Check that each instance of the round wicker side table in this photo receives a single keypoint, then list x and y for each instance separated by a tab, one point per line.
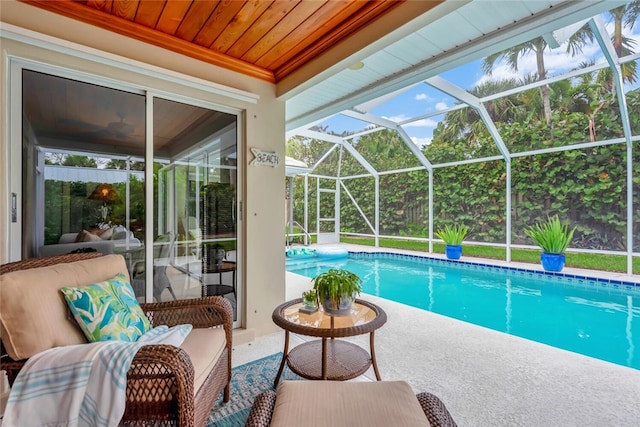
328	358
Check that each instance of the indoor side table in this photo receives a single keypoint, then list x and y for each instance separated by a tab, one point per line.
219	288
329	358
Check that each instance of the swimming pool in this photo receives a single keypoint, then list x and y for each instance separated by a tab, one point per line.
597	318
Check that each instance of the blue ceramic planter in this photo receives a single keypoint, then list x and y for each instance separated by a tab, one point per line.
552	262
453	251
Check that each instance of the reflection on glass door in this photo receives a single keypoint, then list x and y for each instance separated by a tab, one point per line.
196	150
83	167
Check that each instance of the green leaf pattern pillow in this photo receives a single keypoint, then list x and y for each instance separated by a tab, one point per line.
107	310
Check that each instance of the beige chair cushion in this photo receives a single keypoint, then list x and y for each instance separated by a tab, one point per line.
347	404
204	346
34	315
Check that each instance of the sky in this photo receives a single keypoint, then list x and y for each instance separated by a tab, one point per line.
423	99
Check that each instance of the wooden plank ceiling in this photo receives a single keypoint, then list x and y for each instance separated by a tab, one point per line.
260	38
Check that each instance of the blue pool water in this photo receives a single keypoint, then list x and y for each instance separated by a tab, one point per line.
595	318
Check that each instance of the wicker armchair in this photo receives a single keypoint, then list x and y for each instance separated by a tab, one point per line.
26	264
160	381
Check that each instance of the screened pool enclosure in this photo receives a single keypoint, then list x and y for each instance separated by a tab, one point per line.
549	126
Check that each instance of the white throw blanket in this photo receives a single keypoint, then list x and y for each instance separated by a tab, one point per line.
79	385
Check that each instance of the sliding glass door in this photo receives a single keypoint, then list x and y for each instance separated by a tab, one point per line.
101	171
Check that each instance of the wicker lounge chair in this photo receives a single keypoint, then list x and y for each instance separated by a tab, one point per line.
301	401
160	381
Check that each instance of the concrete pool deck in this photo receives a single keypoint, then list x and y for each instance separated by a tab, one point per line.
485	377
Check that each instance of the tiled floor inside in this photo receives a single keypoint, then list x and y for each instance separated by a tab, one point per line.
486	378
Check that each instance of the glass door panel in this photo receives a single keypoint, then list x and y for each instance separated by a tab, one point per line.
196	198
83	168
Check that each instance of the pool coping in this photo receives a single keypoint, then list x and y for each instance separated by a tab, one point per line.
596	276
579	277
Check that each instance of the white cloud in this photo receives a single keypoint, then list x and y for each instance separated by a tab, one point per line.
500	72
398	118
421	142
423	97
441	106
422	123
557	61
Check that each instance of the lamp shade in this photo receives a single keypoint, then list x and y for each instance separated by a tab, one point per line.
105	193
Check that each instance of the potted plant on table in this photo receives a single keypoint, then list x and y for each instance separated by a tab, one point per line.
453	235
309	301
554	238
336	290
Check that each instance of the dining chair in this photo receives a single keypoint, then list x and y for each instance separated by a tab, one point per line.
162	258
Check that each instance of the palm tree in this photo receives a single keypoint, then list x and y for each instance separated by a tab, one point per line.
623	16
598	92
506	109
629	14
465	122
511	56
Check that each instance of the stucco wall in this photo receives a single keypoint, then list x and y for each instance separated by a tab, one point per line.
262	187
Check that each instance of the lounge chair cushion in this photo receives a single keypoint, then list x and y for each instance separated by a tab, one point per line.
22	291
204	346
334	403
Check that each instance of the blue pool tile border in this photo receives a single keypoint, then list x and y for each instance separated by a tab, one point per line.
571	278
